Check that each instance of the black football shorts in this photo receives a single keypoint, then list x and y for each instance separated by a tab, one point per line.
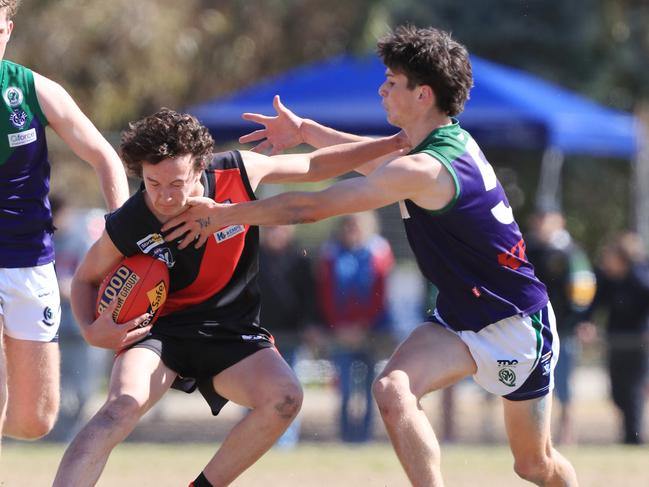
197	361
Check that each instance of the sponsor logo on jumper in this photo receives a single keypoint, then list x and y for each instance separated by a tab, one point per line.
228	232
150	242
515	257
118	287
48	316
22	138
18	118
13	96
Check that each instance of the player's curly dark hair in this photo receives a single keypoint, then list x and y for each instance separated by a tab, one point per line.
162	135
428	56
11	6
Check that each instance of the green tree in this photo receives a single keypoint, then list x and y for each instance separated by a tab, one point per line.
121	59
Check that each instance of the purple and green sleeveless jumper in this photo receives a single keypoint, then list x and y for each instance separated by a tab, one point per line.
25	216
471	250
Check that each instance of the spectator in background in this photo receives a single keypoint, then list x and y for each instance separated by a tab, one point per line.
287	299
352	274
565	270
81	365
623	293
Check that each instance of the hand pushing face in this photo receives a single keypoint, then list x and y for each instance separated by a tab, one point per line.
169	184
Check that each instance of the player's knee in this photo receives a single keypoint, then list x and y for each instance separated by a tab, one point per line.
31	427
392	395
283	400
533	469
42	426
383	390
121	412
287	400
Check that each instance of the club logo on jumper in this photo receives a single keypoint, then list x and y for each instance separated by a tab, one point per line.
18	118
13	96
506	375
120	284
228	232
164	254
22	138
150	242
48	316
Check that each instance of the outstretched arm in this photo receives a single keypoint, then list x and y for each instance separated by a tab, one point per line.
102	332
409	177
78	132
321	164
287	130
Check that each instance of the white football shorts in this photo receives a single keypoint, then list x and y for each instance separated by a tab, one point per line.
30	303
515	356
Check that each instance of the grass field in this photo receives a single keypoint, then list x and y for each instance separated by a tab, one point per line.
319	465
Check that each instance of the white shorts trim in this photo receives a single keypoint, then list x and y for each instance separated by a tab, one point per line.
30	303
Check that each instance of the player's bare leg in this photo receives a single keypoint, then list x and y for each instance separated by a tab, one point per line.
138	381
528	428
32	372
566	427
431	358
266	384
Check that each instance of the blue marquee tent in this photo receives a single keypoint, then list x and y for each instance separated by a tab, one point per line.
507	108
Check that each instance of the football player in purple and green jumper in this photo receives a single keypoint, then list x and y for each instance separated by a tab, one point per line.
493	319
29	296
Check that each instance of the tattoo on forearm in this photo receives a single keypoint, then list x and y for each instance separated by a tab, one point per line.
203	222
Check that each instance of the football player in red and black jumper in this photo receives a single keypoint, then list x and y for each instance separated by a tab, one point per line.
208	336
